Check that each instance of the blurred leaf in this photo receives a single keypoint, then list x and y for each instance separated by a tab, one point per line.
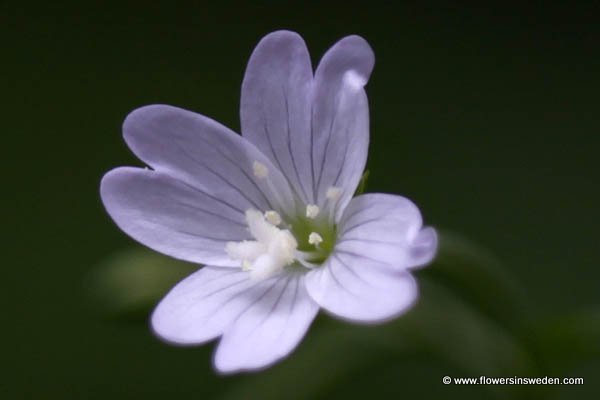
129	283
322	361
362	184
453	329
567	340
440	326
478	277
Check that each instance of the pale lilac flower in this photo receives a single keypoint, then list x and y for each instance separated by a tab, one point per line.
270	213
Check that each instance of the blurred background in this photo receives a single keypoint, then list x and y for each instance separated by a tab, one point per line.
485	116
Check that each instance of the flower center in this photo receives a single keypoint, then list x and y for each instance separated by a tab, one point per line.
303	242
315	236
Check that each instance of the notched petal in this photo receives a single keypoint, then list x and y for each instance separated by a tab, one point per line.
275	108
340	118
203	305
206	155
269	329
172	217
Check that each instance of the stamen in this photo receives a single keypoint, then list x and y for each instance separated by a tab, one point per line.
260	170
267	185
312	211
273	217
246	265
315	239
304	262
333	193
307	258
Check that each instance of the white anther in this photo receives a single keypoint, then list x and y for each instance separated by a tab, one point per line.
312	211
333	193
273	217
246	265
260	170
314	238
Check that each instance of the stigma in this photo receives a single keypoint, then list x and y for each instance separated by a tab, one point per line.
271	251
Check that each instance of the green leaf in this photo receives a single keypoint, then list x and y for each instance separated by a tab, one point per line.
129	283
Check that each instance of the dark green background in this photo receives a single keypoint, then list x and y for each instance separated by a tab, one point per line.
485	116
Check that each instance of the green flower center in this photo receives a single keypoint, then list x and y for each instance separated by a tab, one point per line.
304	228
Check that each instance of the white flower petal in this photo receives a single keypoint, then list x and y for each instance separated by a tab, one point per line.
204	304
172	217
269	328
275	108
385	229
340	119
424	247
315	130
366	277
360	290
206	155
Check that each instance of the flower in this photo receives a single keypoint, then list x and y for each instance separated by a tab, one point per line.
270	213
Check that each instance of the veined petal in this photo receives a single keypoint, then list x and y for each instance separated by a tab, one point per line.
269	328
361	290
204	304
315	130
366	278
275	108
207	156
340	118
261	322
171	216
385	229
